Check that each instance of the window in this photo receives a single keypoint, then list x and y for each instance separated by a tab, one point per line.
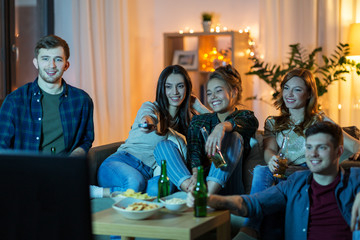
23	22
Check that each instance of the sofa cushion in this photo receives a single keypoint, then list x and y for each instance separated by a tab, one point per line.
256	157
97	155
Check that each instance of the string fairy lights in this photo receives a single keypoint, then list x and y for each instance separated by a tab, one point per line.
214	58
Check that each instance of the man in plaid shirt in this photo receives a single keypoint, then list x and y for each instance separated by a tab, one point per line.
48	115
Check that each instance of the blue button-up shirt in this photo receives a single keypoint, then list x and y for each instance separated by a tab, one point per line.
21	118
293	195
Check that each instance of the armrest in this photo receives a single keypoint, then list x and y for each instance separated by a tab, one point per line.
97	155
349	163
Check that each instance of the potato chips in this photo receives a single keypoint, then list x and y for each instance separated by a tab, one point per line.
133	194
140	206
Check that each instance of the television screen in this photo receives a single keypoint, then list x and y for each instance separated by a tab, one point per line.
44	197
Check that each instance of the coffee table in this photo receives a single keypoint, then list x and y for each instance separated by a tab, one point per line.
163	225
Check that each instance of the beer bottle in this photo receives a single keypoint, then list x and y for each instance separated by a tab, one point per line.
218	159
282	159
200	194
164	182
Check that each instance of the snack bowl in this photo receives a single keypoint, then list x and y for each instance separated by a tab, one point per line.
175	202
136	214
117	195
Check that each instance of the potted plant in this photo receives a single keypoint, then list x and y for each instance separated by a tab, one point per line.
206	21
331	68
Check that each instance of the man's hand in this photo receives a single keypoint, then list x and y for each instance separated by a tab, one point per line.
233	203
355	213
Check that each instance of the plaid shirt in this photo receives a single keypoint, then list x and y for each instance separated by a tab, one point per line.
21	118
243	121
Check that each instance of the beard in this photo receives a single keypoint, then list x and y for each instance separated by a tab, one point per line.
51	79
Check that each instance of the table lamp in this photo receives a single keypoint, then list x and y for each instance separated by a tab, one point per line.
354	39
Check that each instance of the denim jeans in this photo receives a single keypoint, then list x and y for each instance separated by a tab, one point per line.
230	177
122	171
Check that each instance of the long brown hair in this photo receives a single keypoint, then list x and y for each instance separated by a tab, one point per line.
283	121
182	119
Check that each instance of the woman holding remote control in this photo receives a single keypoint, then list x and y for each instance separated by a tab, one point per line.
230	130
133	165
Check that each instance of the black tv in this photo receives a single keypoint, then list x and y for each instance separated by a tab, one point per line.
44	197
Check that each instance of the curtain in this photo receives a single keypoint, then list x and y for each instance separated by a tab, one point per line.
103	48
312	23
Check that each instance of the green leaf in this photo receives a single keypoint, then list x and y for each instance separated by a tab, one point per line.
332	68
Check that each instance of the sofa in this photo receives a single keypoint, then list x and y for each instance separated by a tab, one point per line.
98	154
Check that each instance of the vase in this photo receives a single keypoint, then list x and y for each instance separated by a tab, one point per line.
206	26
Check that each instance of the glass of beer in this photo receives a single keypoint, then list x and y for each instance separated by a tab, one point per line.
282	159
283	165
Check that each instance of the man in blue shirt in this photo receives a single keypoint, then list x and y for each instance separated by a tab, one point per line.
320	203
48	115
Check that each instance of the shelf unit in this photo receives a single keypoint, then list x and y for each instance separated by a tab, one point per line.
239	49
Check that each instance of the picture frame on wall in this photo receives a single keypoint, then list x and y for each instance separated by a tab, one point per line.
187	59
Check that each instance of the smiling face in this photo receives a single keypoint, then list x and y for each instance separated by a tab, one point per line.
219	96
175	90
51	64
295	93
322	157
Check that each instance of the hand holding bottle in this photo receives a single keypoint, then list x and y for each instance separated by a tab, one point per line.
273	163
282	161
214	140
216	158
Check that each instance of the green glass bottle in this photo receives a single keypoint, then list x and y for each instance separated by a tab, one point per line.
164	182
200	194
218	159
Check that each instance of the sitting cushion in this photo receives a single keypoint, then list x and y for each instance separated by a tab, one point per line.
255	157
355	133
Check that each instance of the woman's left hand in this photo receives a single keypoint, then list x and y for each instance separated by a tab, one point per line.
197	105
215	138
355	156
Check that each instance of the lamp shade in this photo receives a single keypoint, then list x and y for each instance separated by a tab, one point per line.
354	39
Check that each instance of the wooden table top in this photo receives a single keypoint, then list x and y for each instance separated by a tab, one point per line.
164	224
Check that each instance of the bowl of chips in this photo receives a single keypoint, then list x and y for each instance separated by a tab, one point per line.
136	209
117	196
175	202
